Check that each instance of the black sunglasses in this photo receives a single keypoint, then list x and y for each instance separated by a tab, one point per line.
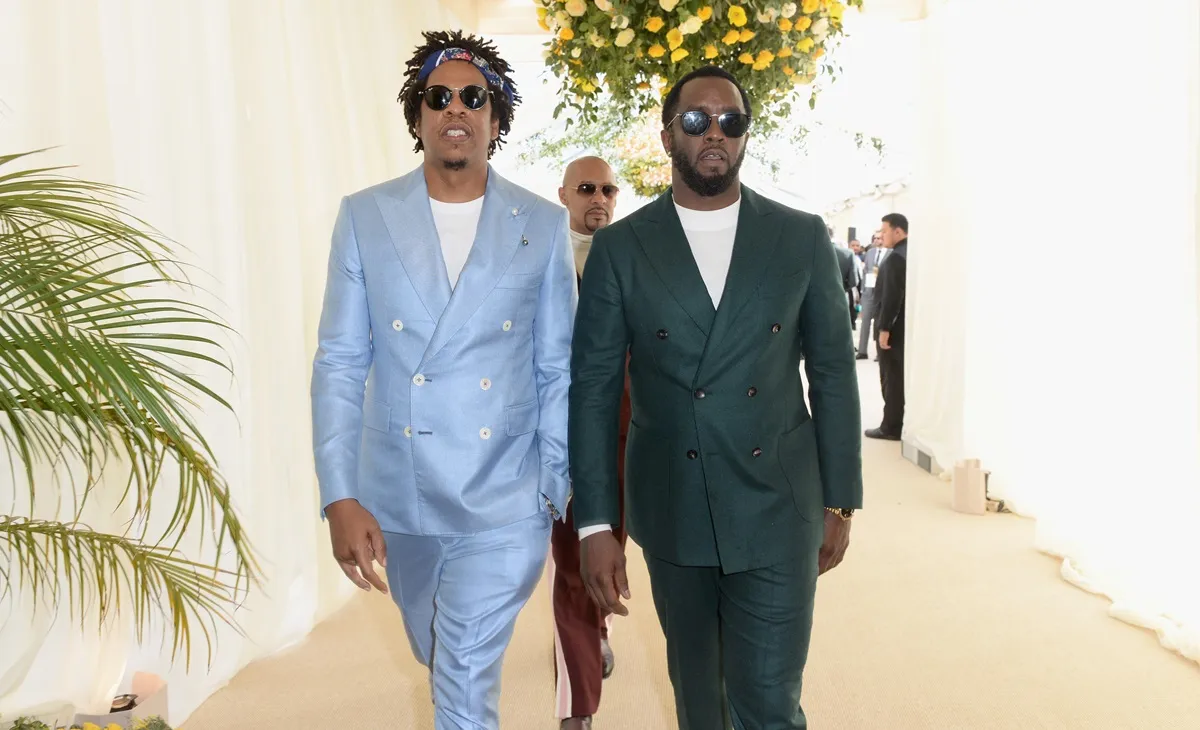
695	123
438	97
589	189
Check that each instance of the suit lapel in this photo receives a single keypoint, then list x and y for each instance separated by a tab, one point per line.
663	241
409	221
753	249
497	239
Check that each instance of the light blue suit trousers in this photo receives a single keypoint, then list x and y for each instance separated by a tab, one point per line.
460	597
444	413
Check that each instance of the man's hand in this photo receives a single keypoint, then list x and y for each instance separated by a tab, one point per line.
602	566
357	540
837	539
883	340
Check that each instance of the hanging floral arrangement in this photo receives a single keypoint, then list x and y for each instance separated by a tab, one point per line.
627	52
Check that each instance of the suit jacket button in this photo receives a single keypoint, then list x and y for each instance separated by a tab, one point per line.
408	431
692	454
775	328
485	384
507	325
485	433
752	392
757	451
397	325
662	334
700	394
418	379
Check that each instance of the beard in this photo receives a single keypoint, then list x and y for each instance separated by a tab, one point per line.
455	165
706	186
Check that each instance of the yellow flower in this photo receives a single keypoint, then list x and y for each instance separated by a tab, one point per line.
785	25
566	34
731	37
691	25
674	38
710	51
808	7
788	70
656	51
588	87
705	13
655	24
113	726
668	5
624	38
765	56
605	5
836	10
643	86
576	8
818	53
802	23
678	55
90	726
746	58
805	45
541	12
745	35
737	15
784	52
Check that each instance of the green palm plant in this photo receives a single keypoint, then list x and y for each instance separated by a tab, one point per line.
94	351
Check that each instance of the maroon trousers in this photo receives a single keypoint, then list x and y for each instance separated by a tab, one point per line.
579	625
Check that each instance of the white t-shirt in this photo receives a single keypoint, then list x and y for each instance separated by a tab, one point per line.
710	234
456	225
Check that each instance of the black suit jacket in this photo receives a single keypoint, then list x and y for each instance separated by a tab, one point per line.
726	465
889	292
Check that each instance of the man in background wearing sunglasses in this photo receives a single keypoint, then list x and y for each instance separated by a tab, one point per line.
440	387
738	496
583	657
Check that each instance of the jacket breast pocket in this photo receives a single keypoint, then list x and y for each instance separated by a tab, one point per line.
520	281
522	419
801	467
795	284
376	416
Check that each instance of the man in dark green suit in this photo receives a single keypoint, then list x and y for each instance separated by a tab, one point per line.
738	496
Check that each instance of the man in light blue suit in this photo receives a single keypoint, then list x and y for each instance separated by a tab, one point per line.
440	387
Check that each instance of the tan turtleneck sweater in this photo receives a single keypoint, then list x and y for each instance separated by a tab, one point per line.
581	245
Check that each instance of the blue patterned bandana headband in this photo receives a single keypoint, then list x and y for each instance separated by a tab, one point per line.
461	54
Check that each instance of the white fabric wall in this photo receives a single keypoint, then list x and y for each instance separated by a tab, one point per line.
1053	283
241	124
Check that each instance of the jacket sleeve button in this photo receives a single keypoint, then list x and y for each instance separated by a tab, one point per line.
757	451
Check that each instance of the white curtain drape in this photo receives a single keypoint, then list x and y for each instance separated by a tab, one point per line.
241	124
1053	283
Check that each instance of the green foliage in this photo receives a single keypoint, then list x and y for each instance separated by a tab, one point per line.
93	350
627	52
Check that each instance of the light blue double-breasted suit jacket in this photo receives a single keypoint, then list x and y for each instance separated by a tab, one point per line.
445	412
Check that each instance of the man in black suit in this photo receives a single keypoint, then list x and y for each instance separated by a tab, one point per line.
890	291
849	271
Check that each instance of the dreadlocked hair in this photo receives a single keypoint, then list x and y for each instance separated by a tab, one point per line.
436	41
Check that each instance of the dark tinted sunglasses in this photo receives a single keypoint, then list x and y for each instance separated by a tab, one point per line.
589	189
438	97
695	123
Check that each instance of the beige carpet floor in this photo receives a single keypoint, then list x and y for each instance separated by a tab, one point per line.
936	620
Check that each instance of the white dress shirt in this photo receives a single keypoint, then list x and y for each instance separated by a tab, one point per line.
456	224
710	235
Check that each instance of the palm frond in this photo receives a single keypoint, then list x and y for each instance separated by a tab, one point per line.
104	574
95	372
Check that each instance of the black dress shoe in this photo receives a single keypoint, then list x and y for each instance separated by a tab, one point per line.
878	433
861	356
609	660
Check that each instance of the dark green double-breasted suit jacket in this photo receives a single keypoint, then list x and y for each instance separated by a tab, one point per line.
726	465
